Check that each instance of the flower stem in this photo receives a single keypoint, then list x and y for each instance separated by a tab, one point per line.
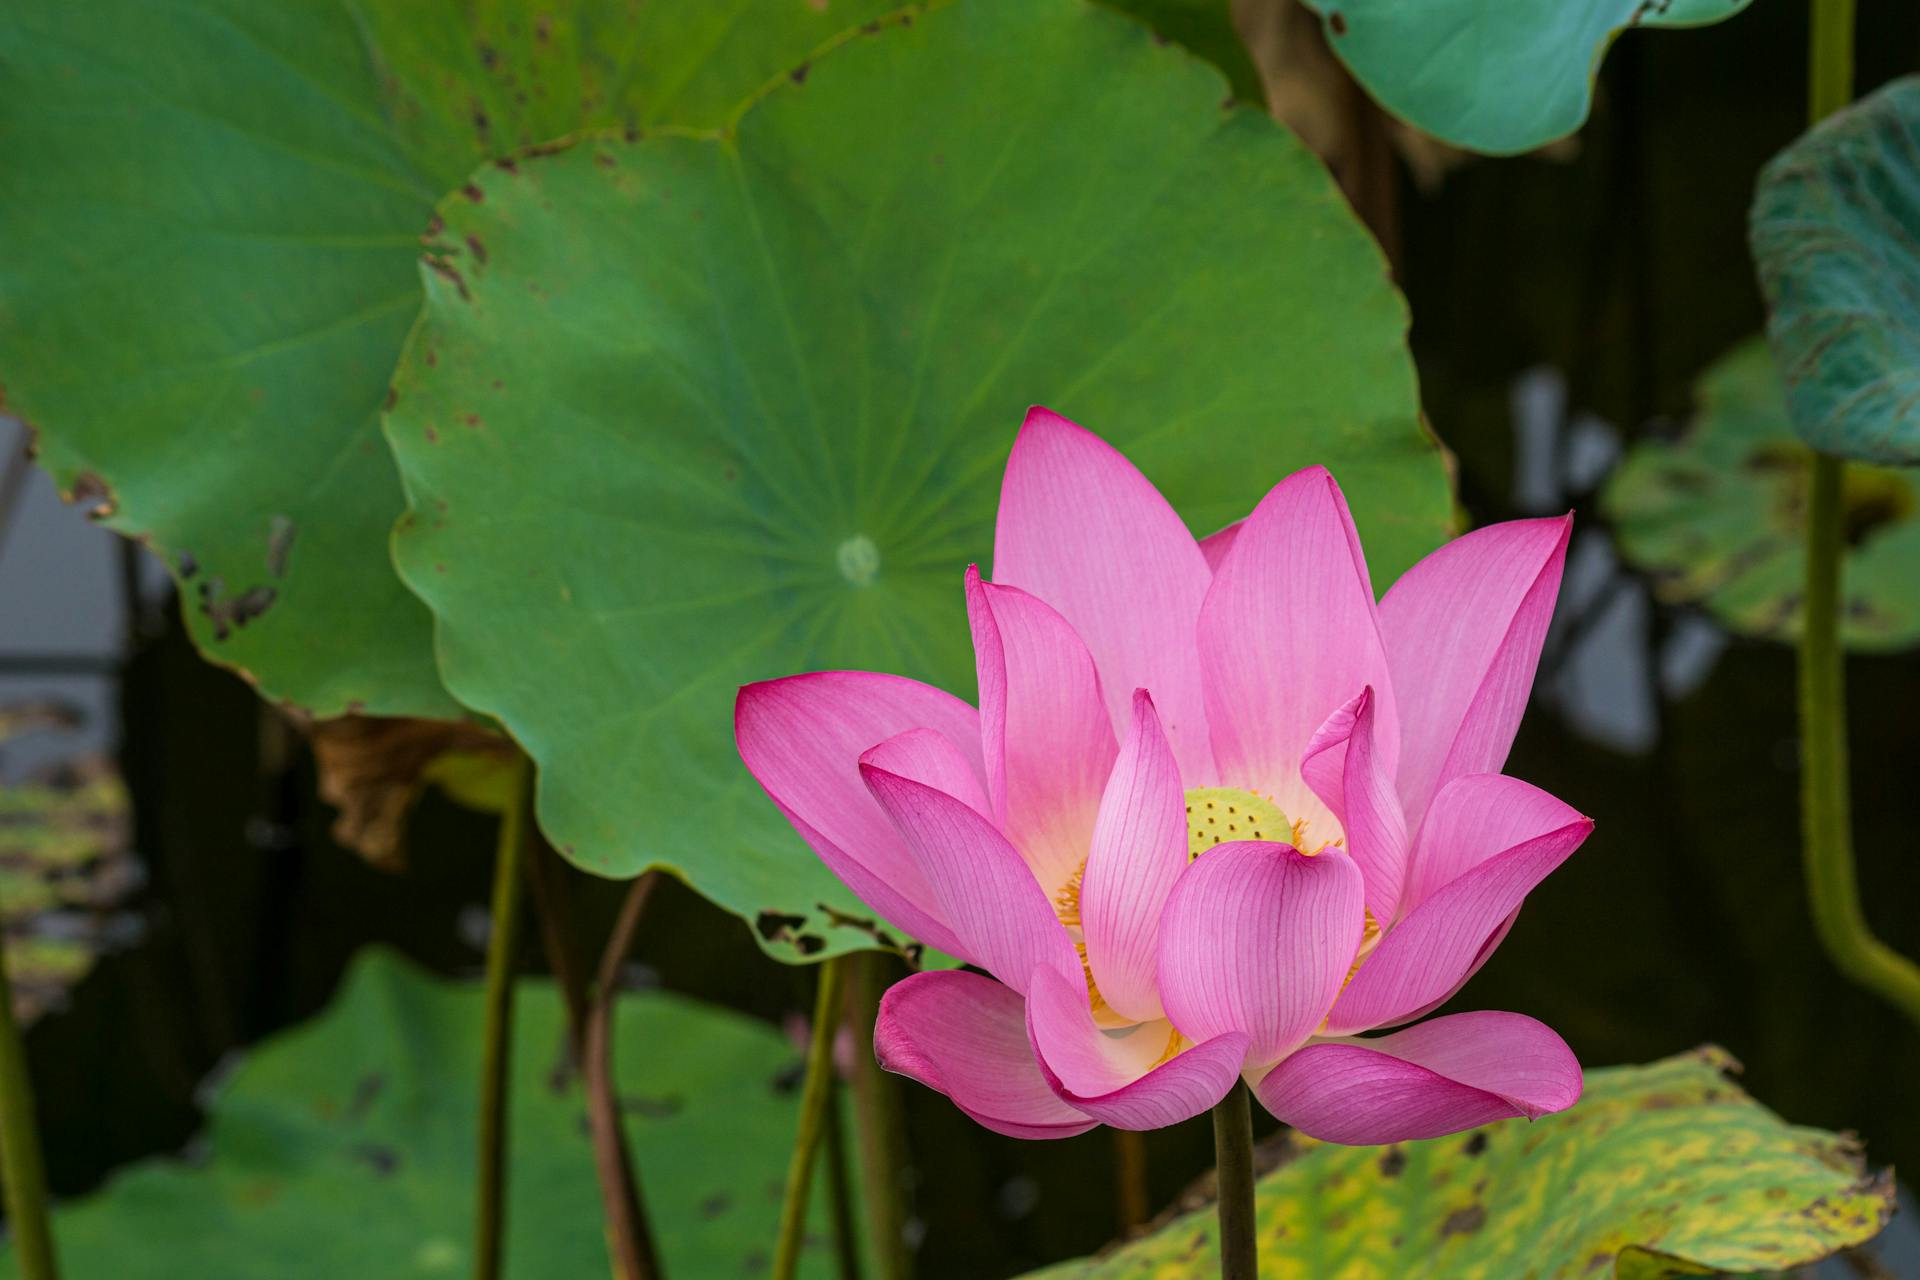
629	1237
1130	1178
846	1237
490	1215
1825	806
813	1116
1233	1164
20	1164
880	1123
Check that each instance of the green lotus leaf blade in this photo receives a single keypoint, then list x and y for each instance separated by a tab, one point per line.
1497	78
711	411
1836	236
1716	515
1667	1169
345	1146
1206	28
211	210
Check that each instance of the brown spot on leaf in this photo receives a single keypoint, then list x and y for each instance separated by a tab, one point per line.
477	248
1393	1162
440	266
1338	22
90	488
799	74
384	1160
715	1205
1464	1221
473	192
1476	1145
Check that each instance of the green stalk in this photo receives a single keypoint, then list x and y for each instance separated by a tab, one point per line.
1830	59
20	1163
1233	1172
813	1117
1130	1179
880	1123
503	940
1825	805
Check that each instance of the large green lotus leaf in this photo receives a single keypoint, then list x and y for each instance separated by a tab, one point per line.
683	413
1206	27
345	1147
1718	516
1836	236
211	212
1660	1170
1494	77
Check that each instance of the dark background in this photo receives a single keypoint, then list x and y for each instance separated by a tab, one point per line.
1589	287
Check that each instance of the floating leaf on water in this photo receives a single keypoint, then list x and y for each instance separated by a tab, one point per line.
344	1147
1667	1169
1717	516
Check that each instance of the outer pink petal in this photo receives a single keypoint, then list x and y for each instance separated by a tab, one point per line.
1139	850
1044	729
1113	1078
1464	629
1437	1078
1081	528
1287	635
1474	817
1429	953
802	738
1258	938
927	755
999	916
966	1036
1344	768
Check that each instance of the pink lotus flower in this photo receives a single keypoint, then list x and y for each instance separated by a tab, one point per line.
1218	813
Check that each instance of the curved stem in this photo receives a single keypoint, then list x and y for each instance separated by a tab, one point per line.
1825	806
629	1239
20	1164
1233	1164
813	1114
503	939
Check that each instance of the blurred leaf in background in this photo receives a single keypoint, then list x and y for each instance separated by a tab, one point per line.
1499	78
684	413
211	210
1717	516
1661	1170
67	867
344	1147
1836	236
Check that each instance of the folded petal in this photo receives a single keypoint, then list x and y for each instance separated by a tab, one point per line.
1464	629
966	1036
802	738
927	755
1000	919
1431	952
1473	818
1081	528
1120	1079
1257	938
1344	768
1139	850
1047	740
1440	1077
1288	634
